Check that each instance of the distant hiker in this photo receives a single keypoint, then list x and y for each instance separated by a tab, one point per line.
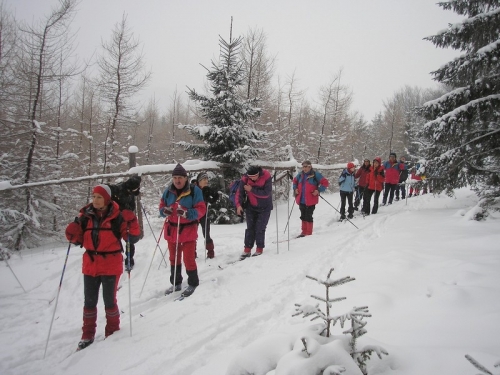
256	187
361	175
307	186
392	169
99	228
375	183
183	204
347	183
209	196
415	180
125	194
403	176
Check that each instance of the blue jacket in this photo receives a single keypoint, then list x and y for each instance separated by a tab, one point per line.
347	181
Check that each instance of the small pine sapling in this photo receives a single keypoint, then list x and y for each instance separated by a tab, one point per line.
308	310
480	367
356	316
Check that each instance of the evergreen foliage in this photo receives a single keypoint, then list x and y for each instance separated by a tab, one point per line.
356	316
227	135
463	130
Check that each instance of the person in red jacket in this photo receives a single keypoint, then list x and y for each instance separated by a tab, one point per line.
392	171
361	175
375	183
307	186
99	229
183	205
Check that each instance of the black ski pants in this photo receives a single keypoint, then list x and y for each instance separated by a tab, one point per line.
366	201
389	191
91	286
345	195
306	212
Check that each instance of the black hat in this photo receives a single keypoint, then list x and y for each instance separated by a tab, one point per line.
393	154
179	171
133	183
253	170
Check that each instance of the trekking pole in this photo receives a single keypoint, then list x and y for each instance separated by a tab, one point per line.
154	252
276	200
157	241
129	286
338	211
176	248
289	216
205	232
11	270
288	202
57	299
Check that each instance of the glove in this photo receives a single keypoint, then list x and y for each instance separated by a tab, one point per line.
74	232
167	211
181	212
128	215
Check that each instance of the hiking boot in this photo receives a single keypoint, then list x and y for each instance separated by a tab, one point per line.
350	216
210	254
172	289
257	253
188	291
84	343
342	217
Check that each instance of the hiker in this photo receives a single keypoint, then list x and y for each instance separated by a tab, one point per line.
361	175
99	229
256	187
307	186
209	196
392	170
375	183
347	182
403	176
125	194
183	206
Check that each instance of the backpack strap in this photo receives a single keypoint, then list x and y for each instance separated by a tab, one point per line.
115	227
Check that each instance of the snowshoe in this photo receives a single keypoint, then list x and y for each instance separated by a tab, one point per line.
83	344
188	291
171	289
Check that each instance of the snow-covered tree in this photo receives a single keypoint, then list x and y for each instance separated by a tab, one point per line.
227	134
463	129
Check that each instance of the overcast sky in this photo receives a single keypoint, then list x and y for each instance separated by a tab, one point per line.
378	43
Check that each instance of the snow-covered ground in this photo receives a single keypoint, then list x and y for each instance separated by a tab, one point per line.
429	276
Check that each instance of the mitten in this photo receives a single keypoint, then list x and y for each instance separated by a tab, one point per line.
74	232
167	211
128	215
181	212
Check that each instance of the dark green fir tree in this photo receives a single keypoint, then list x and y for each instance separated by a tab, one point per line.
463	129
228	135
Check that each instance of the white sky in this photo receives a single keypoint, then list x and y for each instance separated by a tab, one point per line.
377	43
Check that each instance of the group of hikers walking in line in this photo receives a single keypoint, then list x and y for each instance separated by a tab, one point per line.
109	218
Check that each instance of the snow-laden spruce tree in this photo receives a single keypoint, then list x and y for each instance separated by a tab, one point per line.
227	135
463	129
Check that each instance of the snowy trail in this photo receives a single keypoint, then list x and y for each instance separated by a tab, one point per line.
412	263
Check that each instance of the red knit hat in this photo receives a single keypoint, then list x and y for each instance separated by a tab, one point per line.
350	165
104	191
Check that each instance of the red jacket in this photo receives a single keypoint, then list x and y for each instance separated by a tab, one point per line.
193	202
376	181
312	181
103	255
362	174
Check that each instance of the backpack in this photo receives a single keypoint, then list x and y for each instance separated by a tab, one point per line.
115	226
234	189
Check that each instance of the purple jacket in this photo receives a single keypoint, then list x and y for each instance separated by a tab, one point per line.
260	198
